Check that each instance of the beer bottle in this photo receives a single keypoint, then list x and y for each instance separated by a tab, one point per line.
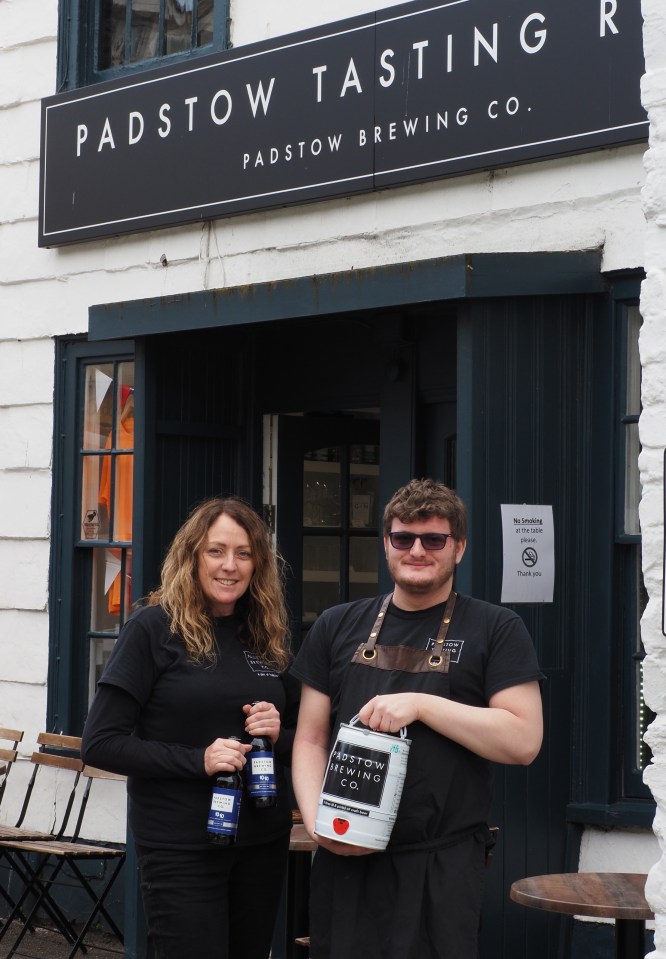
260	773
224	808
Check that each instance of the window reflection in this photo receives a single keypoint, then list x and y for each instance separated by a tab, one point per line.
111	588
107	480
131	31
107	475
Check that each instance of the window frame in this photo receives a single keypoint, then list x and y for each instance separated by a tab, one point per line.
628	544
609	790
78	31
70	573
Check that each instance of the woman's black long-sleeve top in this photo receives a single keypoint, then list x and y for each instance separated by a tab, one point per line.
156	711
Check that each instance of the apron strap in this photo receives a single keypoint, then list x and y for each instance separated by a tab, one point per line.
374	632
404	658
443	629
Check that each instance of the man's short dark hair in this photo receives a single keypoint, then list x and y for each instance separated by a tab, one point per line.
424	498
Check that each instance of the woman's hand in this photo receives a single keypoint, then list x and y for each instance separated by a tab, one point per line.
225	755
263	719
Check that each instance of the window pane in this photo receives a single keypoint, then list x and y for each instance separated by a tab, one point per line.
321	575
362	567
145	30
112	33
178	25
631	412
125	405
204	23
98	406
95	512
632	482
100	650
633	400
321	488
362	496
111	599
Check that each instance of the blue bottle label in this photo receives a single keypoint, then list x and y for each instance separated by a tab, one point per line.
223	812
261	774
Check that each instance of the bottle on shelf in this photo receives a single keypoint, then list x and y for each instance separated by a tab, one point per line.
225	802
260	773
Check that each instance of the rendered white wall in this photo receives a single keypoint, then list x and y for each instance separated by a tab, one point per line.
653	436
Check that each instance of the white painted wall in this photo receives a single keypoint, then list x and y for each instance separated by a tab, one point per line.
611	200
653	436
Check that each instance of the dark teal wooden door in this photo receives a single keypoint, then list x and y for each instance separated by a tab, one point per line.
535	426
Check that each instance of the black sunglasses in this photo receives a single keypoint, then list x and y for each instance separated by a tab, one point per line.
404	540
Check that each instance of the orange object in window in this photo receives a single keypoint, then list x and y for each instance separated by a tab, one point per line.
124	466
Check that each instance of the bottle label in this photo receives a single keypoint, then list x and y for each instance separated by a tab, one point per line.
261	774
223	812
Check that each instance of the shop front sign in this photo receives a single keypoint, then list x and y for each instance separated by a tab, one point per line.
407	94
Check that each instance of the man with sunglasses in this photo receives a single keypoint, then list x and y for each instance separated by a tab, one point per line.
462	676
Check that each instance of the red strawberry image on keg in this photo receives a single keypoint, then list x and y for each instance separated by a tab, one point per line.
341	826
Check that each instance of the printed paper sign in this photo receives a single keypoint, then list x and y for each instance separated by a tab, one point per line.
528	554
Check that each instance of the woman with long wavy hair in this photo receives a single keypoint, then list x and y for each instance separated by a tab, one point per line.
197	672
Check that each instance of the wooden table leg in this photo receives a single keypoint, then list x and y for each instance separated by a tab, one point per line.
629	939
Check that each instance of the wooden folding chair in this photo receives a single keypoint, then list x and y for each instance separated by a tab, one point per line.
68	757
60	860
67	760
9	742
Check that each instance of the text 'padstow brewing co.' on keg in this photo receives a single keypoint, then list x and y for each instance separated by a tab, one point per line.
362	786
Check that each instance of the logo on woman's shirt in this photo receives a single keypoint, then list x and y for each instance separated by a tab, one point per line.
259	667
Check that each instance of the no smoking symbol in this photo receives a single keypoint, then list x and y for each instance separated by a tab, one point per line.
529	556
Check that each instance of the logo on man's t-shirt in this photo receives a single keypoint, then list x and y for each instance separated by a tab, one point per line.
453	645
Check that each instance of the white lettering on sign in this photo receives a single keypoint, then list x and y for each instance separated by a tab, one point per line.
107	137
540	35
136	127
81	137
351	80
265	98
480	41
608	11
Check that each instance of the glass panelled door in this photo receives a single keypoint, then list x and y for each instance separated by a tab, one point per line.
328	512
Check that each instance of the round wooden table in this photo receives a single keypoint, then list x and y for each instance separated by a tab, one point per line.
609	895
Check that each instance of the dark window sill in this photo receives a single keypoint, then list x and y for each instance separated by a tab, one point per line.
629	813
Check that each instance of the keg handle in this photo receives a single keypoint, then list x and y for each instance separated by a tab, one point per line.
403	731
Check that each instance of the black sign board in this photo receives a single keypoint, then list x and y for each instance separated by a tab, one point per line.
410	93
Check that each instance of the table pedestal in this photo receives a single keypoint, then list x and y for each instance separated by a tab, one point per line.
629	939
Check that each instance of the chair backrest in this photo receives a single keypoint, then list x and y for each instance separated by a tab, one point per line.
90	774
56	751
8	753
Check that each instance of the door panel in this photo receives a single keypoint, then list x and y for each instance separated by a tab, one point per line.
535	426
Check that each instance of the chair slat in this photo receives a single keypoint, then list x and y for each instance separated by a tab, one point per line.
16	735
56	761
59	741
94	773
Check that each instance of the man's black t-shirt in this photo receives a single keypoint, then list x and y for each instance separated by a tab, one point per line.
447	789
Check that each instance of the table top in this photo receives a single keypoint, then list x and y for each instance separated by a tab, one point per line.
299	840
613	895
